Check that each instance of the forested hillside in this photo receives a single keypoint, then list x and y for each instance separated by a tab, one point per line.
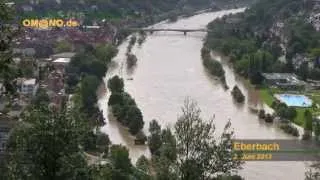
112	8
270	36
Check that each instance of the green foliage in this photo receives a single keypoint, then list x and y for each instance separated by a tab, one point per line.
303	71
168	148
119	156
162	143
133	40
131	60
290	129
88	87
124	107
46	146
317	130
154	139
106	52
101	172
284	111
7	70
165	170
237	94
116	84
90	62
247	40
135	118
86	63
112	9
63	46
308	121
41	98
214	67
200	153
143	164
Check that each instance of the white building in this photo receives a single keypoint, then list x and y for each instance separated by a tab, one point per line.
2	88
61	63
315	21
63	55
29	87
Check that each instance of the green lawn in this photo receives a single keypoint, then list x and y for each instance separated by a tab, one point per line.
299	120
266	94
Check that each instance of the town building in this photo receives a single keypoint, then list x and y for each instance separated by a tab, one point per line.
61	63
315	21
63	55
286	81
2	88
29	87
55	81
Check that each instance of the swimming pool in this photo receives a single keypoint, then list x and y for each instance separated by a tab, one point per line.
294	100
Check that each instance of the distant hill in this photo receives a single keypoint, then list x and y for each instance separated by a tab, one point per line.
271	36
110	8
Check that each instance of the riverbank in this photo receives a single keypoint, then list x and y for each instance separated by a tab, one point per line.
250	58
266	95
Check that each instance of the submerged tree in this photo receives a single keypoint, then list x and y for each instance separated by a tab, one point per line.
314	172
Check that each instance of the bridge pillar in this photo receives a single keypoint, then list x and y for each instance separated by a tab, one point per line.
185	33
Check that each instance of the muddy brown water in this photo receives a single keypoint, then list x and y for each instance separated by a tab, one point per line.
169	68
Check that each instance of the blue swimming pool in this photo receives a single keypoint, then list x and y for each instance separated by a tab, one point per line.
294	100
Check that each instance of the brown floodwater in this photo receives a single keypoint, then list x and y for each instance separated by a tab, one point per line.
168	70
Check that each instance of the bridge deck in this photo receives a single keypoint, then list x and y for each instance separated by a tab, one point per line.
174	30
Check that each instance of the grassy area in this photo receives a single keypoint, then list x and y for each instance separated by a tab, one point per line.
266	94
299	120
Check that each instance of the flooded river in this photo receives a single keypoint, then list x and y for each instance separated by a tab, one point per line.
169	69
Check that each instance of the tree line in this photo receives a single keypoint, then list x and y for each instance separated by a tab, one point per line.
123	106
50	144
84	75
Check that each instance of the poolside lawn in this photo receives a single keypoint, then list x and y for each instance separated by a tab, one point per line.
266	95
299	120
315	96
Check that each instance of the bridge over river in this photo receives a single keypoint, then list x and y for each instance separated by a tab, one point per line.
151	30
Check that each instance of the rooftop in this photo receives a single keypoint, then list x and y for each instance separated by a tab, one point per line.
289	77
29	82
62	60
274	76
63	55
92	27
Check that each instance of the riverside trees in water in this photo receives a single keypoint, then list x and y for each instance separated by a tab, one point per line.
213	66
237	94
142	37
131	58
84	75
124	107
